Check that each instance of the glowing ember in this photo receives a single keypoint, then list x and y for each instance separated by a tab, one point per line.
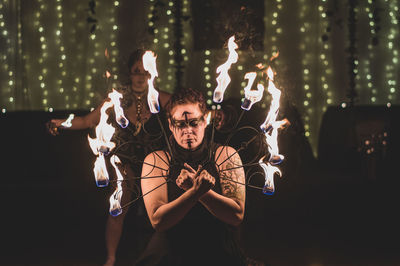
251	96
223	78
115	97
149	64
68	122
115	199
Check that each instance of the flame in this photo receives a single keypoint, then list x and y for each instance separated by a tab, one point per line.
115	199
251	96
100	171
269	172
270	128
108	74
274	109
104	132
223	78
115	97
149	64
68	122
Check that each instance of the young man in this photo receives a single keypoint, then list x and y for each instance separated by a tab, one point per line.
193	192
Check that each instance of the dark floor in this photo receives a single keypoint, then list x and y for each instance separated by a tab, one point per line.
53	214
341	222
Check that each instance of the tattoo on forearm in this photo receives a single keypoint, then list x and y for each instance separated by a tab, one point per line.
229	188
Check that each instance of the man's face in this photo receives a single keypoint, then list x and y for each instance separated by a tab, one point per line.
139	76
187	125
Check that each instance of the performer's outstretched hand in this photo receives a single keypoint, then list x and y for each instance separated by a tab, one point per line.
53	126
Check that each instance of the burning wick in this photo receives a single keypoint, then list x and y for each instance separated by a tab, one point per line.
251	96
269	172
115	97
68	122
115	199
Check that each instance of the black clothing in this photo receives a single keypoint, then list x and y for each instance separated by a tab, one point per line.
199	238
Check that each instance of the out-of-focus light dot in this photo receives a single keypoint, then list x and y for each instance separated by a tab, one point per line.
209	93
169	12
11	99
42	85
183	51
169	77
3	110
209	101
44	101
307	134
87	102
392	90
279	30
40	29
306	103
166	45
61	90
306	87
373	99
42	39
325	86
240	67
389	105
155	40
63	57
171	61
306	71
208	85
116	3
207	61
115	27
343	105
51	109
329	101
207	52
308	94
93	36
60	65
206	69
207	77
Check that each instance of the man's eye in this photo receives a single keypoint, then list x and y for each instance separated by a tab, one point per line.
194	123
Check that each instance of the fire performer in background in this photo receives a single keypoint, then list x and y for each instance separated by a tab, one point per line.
194	197
132	143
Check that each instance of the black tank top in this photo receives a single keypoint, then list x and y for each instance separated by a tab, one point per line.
199	238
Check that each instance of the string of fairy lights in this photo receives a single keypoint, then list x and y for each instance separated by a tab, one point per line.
50	79
6	54
392	69
324	63
305	49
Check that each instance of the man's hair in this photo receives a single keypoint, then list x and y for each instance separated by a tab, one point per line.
186	96
135	56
